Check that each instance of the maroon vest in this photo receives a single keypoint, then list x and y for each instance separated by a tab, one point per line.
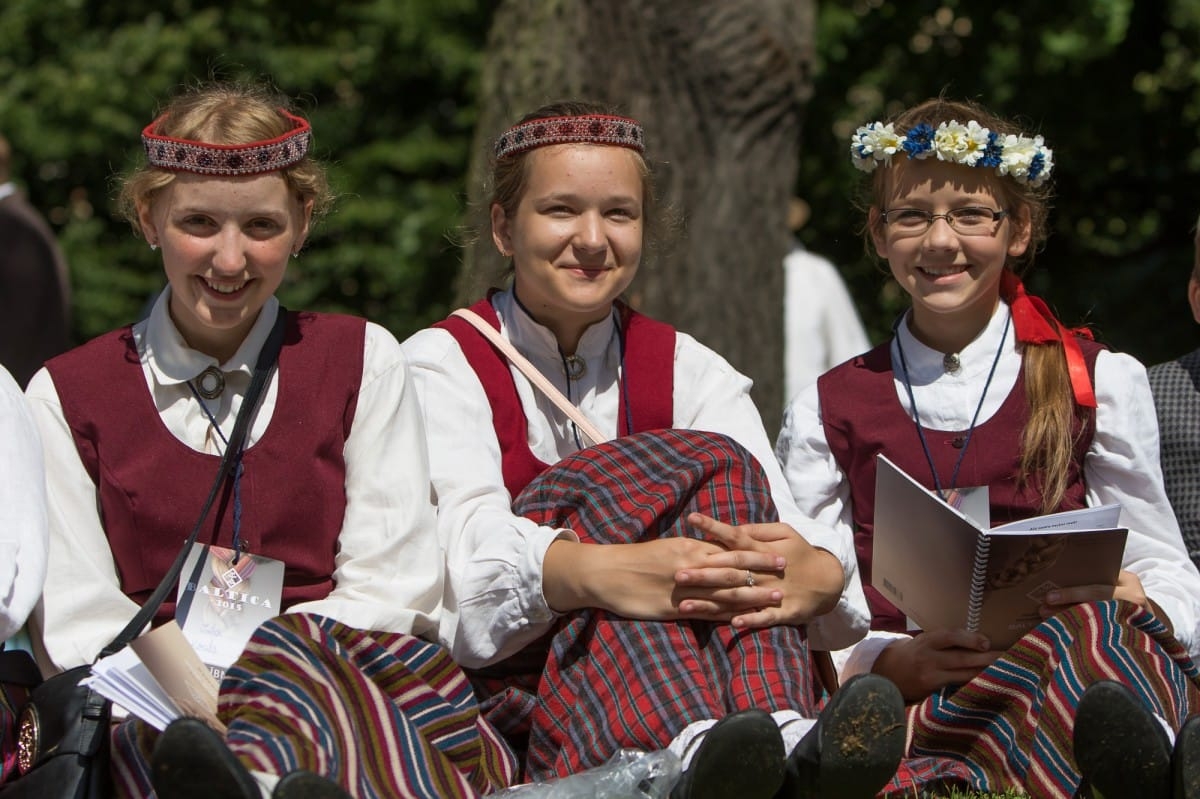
648	372
151	486
862	416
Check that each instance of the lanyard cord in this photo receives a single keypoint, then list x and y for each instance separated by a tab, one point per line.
567	371
237	476
917	417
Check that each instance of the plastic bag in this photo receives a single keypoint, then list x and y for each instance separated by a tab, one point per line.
629	774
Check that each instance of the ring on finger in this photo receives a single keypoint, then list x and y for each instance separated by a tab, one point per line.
749	578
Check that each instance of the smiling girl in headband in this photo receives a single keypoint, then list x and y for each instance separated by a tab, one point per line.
628	568
346	693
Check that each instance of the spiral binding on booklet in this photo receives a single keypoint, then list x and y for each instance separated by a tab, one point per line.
983	543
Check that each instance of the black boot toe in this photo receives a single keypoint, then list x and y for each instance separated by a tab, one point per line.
191	761
855	747
307	785
741	755
1121	749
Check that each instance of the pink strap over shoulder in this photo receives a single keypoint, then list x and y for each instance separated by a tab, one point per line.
586	428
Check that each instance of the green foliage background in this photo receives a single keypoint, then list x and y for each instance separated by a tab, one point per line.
388	84
1112	84
391	88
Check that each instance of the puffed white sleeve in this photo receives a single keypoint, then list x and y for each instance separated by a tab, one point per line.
822	492
388	572
1122	466
23	526
711	395
82	607
494	600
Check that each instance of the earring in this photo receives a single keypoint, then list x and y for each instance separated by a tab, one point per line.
153	246
296	254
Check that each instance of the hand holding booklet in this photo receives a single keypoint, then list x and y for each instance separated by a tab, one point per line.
158	678
944	569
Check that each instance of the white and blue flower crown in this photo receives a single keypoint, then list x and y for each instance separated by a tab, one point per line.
1023	158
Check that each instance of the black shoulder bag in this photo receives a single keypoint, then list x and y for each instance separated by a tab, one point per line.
63	733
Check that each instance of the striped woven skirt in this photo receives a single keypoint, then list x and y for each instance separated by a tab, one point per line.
385	715
599	683
1012	725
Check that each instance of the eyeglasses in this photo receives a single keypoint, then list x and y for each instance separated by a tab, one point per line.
970	221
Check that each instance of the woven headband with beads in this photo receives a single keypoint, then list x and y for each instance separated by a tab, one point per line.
582	129
253	158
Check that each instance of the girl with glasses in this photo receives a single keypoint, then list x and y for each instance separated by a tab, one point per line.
982	386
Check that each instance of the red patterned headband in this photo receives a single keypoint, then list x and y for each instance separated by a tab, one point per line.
185	155
583	129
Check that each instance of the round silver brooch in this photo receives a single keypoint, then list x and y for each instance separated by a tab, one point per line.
951	363
575	367
210	383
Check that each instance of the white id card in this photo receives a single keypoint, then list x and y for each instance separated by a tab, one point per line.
220	603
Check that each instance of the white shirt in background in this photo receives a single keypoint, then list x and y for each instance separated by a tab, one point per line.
821	327
23	535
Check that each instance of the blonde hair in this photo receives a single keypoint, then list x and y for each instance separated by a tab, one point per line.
224	113
1049	438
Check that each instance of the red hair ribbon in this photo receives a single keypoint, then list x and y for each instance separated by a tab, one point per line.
1034	323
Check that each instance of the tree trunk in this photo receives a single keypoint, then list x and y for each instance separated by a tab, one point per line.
720	87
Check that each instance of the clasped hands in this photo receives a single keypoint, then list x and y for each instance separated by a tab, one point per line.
700	578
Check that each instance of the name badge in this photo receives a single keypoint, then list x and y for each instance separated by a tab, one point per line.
220	603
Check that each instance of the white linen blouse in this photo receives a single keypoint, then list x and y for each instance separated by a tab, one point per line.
1121	466
23	535
388	569
495	604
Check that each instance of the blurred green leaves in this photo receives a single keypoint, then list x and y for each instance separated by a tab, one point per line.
1112	85
388	84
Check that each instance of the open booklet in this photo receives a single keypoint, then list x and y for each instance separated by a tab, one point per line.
944	569
158	678
176	668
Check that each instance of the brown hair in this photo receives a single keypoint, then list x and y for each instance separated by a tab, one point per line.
509	176
1048	440
224	113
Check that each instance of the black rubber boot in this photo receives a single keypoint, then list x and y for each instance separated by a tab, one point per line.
306	785
741	755
1185	760
1121	749
855	747
191	761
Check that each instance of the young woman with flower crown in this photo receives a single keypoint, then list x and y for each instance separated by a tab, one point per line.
982	386
649	591
347	692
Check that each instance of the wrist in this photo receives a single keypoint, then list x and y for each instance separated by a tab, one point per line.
561	576
828	580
